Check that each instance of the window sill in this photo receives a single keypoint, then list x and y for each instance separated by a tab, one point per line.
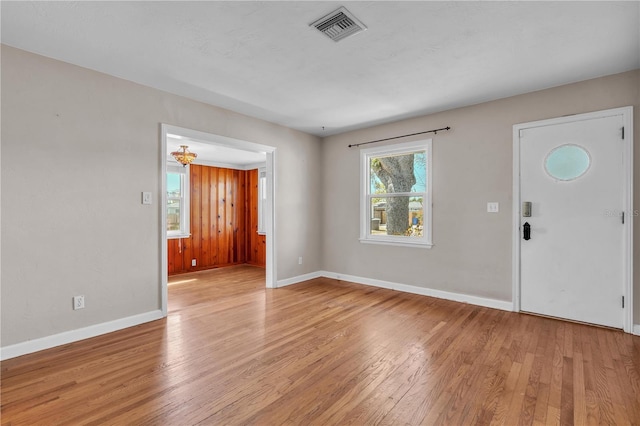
397	243
176	236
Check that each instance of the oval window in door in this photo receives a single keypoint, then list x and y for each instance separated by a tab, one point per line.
567	162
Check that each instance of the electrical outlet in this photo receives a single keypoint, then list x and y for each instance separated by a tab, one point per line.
300	260
78	302
193	262
493	207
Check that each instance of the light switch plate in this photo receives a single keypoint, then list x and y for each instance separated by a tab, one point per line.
493	207
146	198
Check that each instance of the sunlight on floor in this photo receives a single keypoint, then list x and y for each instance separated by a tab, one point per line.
182	281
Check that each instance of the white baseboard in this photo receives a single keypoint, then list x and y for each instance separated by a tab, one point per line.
299	279
636	329
457	297
48	342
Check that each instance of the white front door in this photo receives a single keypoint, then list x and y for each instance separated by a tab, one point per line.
572	251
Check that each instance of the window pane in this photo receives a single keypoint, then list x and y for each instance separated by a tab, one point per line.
567	162
177	206
401	216
398	173
173	215
262	199
173	184
420	172
263	188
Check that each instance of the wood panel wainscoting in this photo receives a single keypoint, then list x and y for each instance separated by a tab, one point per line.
224	221
326	352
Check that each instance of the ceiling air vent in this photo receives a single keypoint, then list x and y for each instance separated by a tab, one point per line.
339	24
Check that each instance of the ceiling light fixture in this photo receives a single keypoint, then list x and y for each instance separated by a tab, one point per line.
184	157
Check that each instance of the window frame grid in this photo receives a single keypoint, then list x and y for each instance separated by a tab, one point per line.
262	200
184	201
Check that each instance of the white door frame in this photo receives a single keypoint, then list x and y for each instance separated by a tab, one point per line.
627	114
270	265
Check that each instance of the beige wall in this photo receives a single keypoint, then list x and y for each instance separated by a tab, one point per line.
472	165
78	148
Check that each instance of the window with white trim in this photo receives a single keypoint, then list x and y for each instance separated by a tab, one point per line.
262	200
178	202
395	202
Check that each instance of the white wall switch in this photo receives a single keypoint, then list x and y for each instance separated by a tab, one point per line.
300	260
146	198
493	207
193	262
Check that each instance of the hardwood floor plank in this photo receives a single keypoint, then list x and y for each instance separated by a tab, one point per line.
327	352
483	390
515	411
578	387
566	394
583	342
497	387
554	403
465	396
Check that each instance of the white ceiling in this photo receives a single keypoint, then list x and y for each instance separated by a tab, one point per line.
215	155
262	58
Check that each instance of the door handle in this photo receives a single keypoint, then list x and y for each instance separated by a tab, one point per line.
526	231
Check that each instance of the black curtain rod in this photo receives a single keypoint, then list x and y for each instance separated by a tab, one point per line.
403	136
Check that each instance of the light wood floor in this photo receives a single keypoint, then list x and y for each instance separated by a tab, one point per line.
328	352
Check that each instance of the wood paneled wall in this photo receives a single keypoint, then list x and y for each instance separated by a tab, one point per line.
222	231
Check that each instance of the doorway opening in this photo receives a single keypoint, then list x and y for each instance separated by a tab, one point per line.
240	168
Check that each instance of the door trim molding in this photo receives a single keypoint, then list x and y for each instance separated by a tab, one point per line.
627	117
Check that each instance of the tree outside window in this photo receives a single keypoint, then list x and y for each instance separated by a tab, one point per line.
396	197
